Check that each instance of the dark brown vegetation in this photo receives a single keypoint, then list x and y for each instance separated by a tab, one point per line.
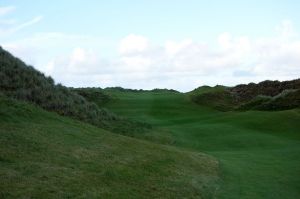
247	92
266	95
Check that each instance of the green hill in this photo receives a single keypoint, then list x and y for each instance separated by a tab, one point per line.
44	155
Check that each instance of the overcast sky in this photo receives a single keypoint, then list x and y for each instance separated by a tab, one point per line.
178	44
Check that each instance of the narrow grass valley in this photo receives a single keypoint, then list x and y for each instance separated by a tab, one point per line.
211	143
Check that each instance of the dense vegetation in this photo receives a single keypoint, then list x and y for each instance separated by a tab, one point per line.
246	92
266	95
23	82
287	99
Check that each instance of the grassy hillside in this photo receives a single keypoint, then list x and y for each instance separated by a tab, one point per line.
259	151
44	155
25	83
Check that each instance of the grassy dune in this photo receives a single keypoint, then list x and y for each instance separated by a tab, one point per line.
259	151
44	155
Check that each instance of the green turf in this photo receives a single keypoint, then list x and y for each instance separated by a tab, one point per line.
259	151
44	155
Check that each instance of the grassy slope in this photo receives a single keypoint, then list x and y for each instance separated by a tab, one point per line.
23	82
43	155
259	151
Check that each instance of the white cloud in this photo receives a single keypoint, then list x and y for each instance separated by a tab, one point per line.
79	62
182	65
8	30
136	63
133	43
42	48
278	58
6	9
9	26
26	24
224	40
286	29
7	22
172	47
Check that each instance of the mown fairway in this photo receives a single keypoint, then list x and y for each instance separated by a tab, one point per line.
259	152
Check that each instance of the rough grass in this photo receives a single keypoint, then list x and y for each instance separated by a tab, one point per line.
44	155
259	151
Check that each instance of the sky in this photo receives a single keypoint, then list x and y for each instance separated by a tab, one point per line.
146	44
